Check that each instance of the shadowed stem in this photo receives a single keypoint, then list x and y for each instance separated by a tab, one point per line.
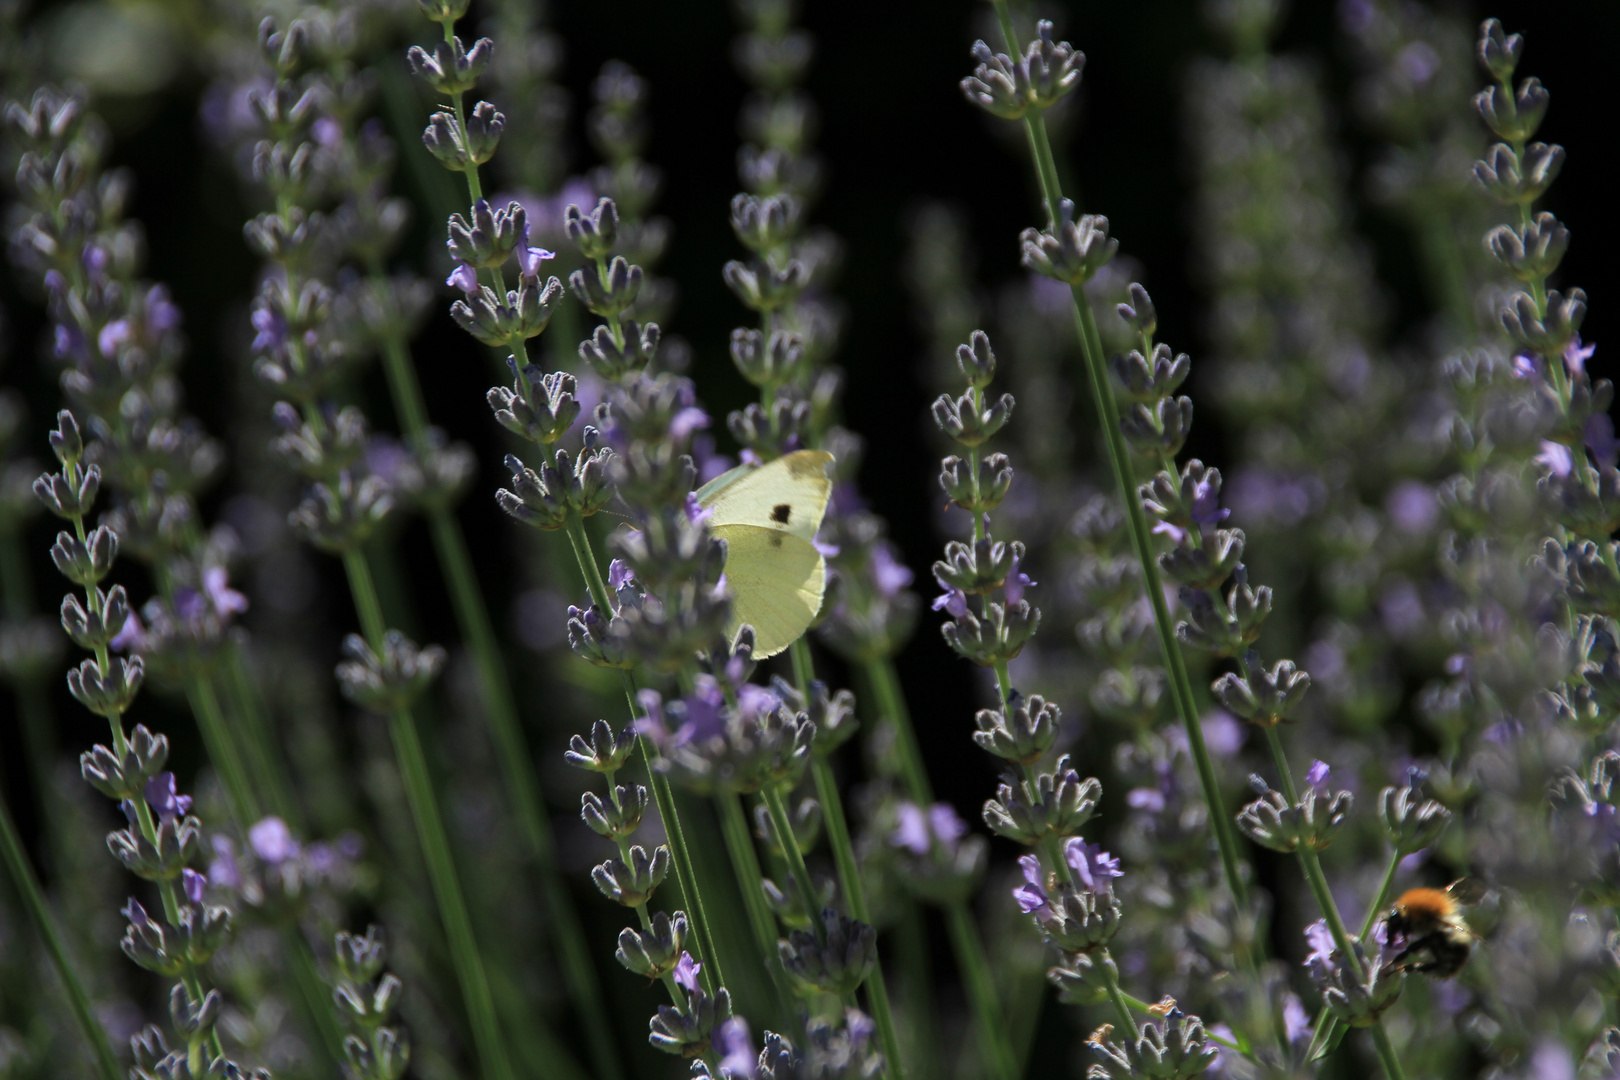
528	802
418	784
1311	866
745	864
22	873
966	943
685	876
1108	411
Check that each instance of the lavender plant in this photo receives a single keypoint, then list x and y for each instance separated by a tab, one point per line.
1424	487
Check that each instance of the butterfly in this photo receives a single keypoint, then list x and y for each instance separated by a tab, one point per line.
768	516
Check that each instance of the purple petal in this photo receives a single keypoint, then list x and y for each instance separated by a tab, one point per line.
953	602
696	512
272	841
530	260
687	421
619	574
889	575
911	829
1556	457
1318	774
947	826
193	883
686	972
1320	940
1296	1022
736	1046
465	278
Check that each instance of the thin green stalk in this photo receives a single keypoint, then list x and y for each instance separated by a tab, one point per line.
966	943
877	989
685	876
745	865
528	803
992	1026
435	844
1326	1025
263	753
1108	411
22	873
916	986
1311	866
1122	1007
222	748
317	998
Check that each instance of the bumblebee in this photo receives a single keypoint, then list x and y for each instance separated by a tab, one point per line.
1427	930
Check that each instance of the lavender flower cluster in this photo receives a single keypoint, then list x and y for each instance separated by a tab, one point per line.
1299	723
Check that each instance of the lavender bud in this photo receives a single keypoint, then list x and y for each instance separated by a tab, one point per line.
1506	179
600	640
618	818
1083	979
491	237
765	225
390	682
762	287
632	884
191	1018
837	962
684	1032
125	777
1079	921
337	516
145	944
612	361
67	443
1173	1049
1357	1002
1547	335
1270	822
1208	566
360	959
1023	734
85	563
805	820
1140	314
1159	431
767	363
606	752
1051	69
1513	119
1057	803
655	951
178	842
1068	250
66	499
1265	698
594	233
1497	53
285	49
107	693
977	361
93	630
483	134
452	68
997	85
1532	252
981	494
1410	820
968	423
444	140
607	292
369	1007
1000	635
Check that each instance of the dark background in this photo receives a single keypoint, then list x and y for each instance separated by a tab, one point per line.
894	131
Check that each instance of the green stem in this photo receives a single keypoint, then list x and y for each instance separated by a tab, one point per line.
1119	458
685	876
528	802
317	998
1121	1007
1316	881
892	707
264	754
1323	1030
222	749
877	989
22	872
993	1044
745	865
435	843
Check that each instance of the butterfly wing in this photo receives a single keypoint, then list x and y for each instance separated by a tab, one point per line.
768	517
776	581
788	495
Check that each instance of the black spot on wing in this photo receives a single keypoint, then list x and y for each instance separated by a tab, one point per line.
781	512
776	541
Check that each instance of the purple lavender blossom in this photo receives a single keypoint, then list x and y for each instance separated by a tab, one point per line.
736	1045
193	883
531	260
686	972
1031	896
687	421
270	330
226	600
1576	355
953	602
132	638
1094	869
272	841
696	512
136	914
1556	457
112	335
1319	774
917	831
1320	940
163	799
1296	1021
619	574
223	869
1017	582
1412	506
463	277
889	576
1599	438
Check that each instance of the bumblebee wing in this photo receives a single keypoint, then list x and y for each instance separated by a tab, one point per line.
1468	890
